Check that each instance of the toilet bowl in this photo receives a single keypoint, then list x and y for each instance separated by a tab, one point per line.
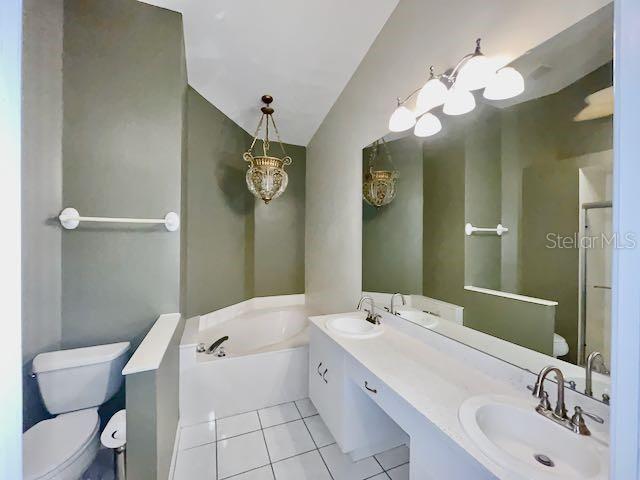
73	384
560	346
63	447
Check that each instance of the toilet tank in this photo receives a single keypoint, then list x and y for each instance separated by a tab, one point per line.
80	378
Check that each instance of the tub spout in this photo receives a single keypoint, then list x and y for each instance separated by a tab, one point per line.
217	347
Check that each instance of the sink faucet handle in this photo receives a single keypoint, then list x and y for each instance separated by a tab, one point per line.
544	401
593	416
577	421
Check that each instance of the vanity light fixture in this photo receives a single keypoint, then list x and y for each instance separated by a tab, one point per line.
453	90
379	185
266	177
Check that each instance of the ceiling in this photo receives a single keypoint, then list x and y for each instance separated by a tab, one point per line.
303	53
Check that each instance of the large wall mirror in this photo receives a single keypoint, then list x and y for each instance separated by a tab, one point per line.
530	179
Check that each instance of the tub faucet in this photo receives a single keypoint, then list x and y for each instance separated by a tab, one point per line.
371	313
392	307
216	347
588	374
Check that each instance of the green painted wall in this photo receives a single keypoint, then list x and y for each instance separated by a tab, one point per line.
124	100
124	83
235	247
392	235
444	206
218	212
278	240
483	194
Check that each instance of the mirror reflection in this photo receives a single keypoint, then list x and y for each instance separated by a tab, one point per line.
500	222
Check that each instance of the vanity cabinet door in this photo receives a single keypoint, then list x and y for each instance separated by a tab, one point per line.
326	380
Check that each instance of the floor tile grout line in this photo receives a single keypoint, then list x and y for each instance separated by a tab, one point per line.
216	447
380	465
314	442
257	429
266	447
250	411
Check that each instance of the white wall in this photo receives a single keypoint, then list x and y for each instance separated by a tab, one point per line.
418	33
10	355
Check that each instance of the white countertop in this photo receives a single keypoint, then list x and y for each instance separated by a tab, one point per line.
433	383
150	353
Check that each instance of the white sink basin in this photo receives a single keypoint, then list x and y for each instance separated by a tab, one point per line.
354	327
511	433
418	316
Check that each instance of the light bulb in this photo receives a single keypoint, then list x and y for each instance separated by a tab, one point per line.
506	83
401	119
459	101
433	94
475	73
427	125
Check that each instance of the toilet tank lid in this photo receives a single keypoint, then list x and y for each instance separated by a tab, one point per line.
78	357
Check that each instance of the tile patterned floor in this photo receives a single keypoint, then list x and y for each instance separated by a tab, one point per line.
285	442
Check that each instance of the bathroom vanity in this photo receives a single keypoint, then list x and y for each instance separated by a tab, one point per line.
455	407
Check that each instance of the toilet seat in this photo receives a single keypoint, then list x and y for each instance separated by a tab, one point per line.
560	346
62	447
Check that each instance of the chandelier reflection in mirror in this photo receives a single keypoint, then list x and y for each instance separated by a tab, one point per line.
266	177
452	90
379	185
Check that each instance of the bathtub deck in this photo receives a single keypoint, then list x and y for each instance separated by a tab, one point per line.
282	442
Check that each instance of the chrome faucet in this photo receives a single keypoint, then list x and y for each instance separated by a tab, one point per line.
392	307
215	348
371	313
560	412
559	415
588	374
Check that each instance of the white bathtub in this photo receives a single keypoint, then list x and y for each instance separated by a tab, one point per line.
257	331
266	360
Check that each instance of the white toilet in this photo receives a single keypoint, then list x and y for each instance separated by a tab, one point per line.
560	346
73	384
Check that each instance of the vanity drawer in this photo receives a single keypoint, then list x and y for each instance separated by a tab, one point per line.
368	383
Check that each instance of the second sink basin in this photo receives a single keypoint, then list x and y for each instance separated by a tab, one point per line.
354	327
530	446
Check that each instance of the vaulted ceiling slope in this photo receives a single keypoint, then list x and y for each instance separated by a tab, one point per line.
301	52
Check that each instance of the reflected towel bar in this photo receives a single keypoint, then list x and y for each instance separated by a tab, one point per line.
499	230
70	219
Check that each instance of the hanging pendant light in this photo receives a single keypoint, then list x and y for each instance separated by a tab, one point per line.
266	177
379	186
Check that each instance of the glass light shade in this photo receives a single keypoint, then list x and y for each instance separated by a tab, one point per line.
475	73
401	119
379	187
459	101
506	83
427	125
433	94
266	177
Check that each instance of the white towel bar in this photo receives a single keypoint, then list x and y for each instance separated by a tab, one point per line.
499	230
70	219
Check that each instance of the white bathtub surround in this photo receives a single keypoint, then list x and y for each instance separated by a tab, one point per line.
266	358
257	303
299	448
422	378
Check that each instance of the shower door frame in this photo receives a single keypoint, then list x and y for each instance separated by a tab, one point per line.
582	325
